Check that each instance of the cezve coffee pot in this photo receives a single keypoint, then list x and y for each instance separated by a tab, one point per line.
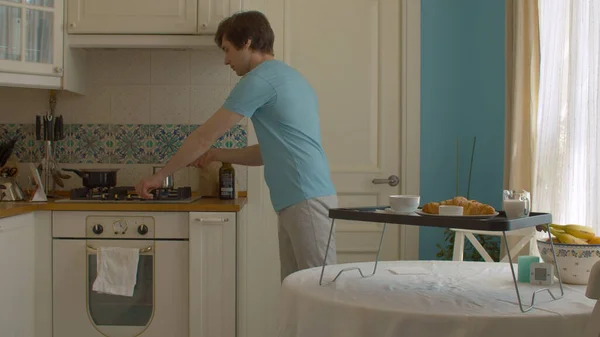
168	182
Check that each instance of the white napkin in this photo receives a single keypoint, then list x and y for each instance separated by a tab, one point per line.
409	270
117	270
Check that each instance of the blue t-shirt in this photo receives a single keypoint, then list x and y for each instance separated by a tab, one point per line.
284	110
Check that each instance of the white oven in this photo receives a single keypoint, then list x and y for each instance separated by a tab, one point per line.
159	305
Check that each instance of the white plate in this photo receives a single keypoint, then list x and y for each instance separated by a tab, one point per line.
389	210
482	216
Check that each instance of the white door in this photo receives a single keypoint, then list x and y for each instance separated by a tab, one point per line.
351	52
362	57
18	281
132	16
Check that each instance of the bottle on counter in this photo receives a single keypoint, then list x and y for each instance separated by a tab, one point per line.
226	182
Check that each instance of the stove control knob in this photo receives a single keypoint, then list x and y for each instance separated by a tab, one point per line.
143	229
97	229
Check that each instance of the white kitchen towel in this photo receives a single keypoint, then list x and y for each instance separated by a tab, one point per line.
117	270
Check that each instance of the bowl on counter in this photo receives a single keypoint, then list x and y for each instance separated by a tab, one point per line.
575	261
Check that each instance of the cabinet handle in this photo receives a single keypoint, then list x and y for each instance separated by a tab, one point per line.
204	25
212	220
72	25
58	70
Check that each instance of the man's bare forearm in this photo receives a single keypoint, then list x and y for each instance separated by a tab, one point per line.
249	156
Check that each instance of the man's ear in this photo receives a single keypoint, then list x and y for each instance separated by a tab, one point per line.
248	44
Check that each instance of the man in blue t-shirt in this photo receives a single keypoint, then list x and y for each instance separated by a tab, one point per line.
284	110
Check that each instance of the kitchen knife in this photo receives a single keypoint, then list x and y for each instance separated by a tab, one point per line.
38	127
57	133
46	126
51	127
62	128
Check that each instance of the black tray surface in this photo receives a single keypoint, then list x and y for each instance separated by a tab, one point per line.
497	223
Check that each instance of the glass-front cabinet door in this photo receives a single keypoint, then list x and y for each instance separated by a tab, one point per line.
31	37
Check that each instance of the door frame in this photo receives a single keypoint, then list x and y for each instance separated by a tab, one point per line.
410	156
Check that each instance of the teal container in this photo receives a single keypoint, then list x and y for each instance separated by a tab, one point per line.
524	264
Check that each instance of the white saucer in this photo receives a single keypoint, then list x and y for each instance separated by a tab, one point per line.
389	210
482	216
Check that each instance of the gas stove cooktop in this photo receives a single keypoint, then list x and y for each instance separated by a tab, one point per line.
127	194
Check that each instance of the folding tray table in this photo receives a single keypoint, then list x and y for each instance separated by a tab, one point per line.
499	223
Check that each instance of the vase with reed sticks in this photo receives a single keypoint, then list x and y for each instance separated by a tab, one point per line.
490	243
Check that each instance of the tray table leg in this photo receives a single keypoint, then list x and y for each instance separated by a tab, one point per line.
353	268
510	262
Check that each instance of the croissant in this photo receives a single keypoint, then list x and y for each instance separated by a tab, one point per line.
456	201
477	208
470	207
431	208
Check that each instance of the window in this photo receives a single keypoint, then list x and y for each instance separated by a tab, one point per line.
567	148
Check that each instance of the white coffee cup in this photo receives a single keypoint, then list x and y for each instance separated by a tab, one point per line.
404	203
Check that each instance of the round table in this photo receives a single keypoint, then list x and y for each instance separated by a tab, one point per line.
425	299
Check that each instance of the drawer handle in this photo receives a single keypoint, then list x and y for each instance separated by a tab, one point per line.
212	220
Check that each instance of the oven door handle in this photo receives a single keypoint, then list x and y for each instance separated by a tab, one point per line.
142	250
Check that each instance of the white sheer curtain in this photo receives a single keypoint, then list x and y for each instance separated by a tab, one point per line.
567	167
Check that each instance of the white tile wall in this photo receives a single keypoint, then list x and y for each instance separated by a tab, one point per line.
130	104
136	87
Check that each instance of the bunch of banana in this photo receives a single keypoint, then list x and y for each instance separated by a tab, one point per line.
582	232
567	238
574	234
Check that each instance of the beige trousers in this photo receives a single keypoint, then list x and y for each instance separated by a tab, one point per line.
303	234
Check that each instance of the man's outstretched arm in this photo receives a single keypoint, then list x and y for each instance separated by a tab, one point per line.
249	156
200	140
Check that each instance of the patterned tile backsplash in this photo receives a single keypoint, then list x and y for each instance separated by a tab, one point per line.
113	144
138	108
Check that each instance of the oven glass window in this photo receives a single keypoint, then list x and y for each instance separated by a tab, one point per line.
113	310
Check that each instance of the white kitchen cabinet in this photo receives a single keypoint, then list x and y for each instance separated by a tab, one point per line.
211	12
26	288
149	17
31	37
212	272
132	16
32	47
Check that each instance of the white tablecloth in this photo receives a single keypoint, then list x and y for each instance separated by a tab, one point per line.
427	299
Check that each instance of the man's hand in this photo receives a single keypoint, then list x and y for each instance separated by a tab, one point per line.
205	159
148	184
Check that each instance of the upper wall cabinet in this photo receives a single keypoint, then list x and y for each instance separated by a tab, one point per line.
33	49
148	17
132	16
31	39
211	12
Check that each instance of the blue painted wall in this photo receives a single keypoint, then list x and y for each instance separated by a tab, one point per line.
462	96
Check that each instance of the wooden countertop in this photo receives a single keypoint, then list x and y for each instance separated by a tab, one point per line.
204	204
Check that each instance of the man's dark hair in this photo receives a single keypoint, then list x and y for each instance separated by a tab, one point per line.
244	26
